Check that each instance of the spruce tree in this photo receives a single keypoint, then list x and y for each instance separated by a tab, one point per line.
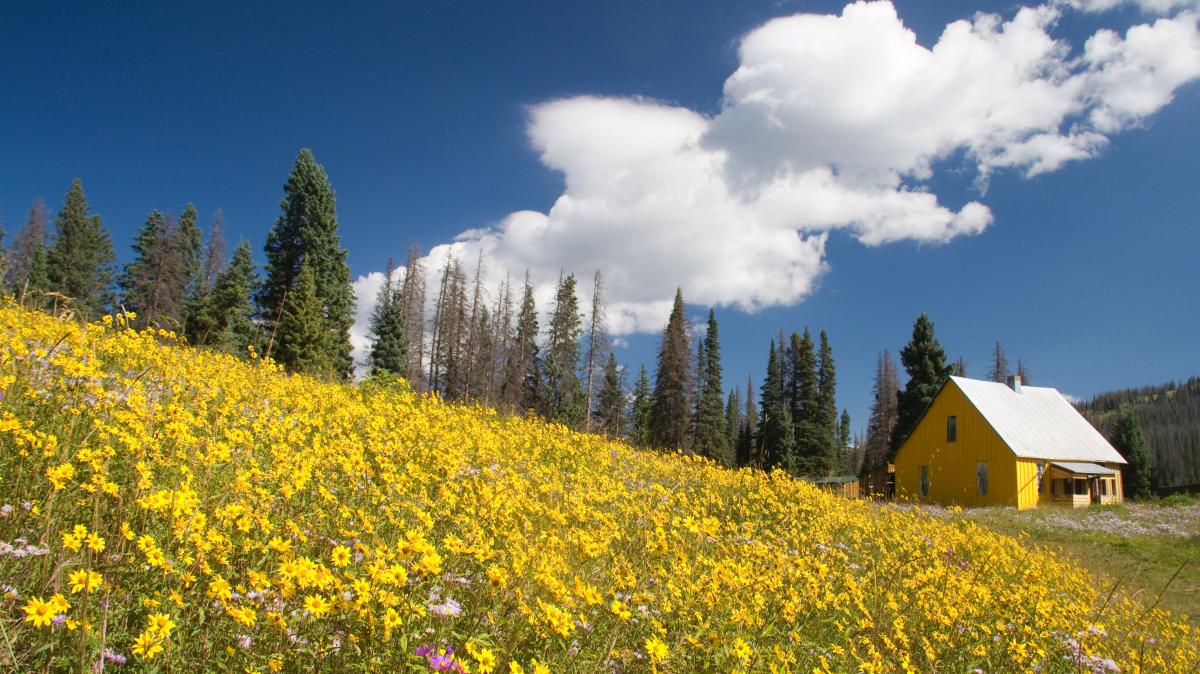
79	264
844	465
1127	439
1022	371
776	435
827	406
302	333
640	410
712	433
610	408
150	280
597	342
228	322
412	306
925	361
28	243
746	454
564	401
389	343
522	377
733	426
884	413
812	434
198	312
999	370
306	232
669	414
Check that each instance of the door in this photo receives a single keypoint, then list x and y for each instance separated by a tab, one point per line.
1094	489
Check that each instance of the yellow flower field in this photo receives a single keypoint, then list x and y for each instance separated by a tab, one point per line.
169	509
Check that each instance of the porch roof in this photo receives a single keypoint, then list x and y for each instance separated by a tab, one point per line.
1080	468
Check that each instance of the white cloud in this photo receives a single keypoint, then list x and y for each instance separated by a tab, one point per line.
1147	6
828	123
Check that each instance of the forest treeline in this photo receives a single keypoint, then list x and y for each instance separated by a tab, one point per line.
440	330
1169	417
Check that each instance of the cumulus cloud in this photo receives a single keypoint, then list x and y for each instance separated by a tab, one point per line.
829	122
1147	6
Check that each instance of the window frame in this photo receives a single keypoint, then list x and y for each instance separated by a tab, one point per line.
981	478
951	428
924	485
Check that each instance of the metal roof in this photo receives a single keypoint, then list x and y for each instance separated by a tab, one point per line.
1038	422
1083	468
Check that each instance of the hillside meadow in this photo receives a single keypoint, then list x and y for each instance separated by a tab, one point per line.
168	509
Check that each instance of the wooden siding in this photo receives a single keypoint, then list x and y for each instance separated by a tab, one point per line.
953	466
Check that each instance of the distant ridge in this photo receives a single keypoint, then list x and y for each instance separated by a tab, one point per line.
1170	417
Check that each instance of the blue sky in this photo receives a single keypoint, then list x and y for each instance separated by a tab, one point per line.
439	119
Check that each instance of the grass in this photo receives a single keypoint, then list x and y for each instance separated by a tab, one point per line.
1151	549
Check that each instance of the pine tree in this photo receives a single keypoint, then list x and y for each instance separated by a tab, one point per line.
484	355
307	233
747	454
150	281
733	426
229	314
812	435
960	367
669	418
79	263
844	464
412	307
522	377
28	243
1127	439
827	406
999	370
502	339
302	332
610	407
925	362
448	367
884	413
389	341
640	409
1022	371
712	434
776	435
198	312
597	342
565	399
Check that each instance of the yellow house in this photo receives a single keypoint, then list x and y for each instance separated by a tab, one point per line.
984	443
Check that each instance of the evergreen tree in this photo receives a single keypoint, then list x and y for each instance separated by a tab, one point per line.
302	333
150	281
733	426
447	367
776	435
198	312
522	376
925	362
484	354
597	342
884	413
412	307
746	453
827	407
712	434
79	264
1127	439
228	320
640	411
307	233
28	243
565	399
389	342
844	464
502	338
999	370
813	437
610	408
669	417
1022	371
960	367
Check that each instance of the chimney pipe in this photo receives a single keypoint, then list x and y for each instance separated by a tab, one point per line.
1014	382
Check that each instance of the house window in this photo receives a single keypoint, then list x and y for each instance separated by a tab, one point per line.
924	480
1081	487
981	478
1041	476
951	429
1104	487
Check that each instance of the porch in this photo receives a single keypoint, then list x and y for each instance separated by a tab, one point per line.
1079	485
